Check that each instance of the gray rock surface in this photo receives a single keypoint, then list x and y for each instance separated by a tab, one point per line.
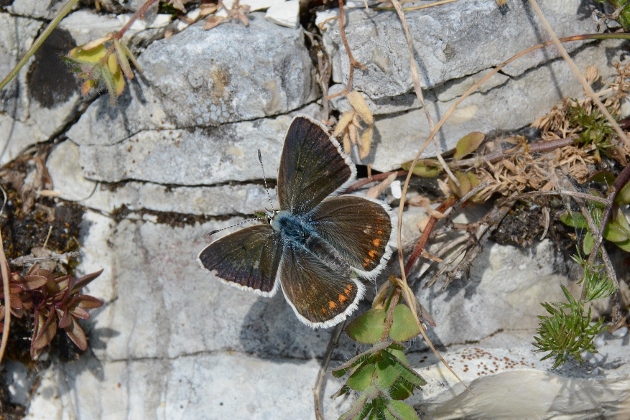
198	156
508	380
203	78
44	99
40	101
176	159
509	106
43	9
450	42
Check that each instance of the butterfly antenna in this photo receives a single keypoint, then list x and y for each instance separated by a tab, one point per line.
237	224
265	179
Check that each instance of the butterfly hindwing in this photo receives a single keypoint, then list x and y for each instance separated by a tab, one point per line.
312	166
359	229
248	258
320	295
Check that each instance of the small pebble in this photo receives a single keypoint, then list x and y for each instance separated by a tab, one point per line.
621	332
599	342
396	189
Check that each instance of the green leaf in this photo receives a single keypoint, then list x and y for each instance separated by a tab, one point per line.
404	326
574	219
623	197
425	168
358	410
588	243
130	55
369	327
401	390
604	177
405	371
386	374
342	370
401	411
363	357
362	377
615	233
468	144
122	59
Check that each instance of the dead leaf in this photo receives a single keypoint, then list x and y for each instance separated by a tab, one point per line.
346	118
365	142
378	189
357	101
213	21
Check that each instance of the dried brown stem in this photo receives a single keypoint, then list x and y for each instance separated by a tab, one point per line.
141	11
540	147
426	233
352	61
390	313
4	268
373	178
621	180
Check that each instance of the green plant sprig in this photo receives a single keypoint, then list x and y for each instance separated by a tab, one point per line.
381	374
566	331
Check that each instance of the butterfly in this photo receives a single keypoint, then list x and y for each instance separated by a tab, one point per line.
317	245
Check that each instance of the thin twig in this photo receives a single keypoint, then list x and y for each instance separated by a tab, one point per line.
621	180
4	268
317	389
141	11
373	178
540	147
574	194
352	61
424	238
412	8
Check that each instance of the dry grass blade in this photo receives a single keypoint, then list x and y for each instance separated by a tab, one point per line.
4	269
7	299
413	66
412	8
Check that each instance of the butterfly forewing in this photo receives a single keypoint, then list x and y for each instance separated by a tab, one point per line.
359	229
248	258
320	296
311	167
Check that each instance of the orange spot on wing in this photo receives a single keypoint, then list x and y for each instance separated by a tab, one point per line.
332	305
348	289
342	298
372	253
376	242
